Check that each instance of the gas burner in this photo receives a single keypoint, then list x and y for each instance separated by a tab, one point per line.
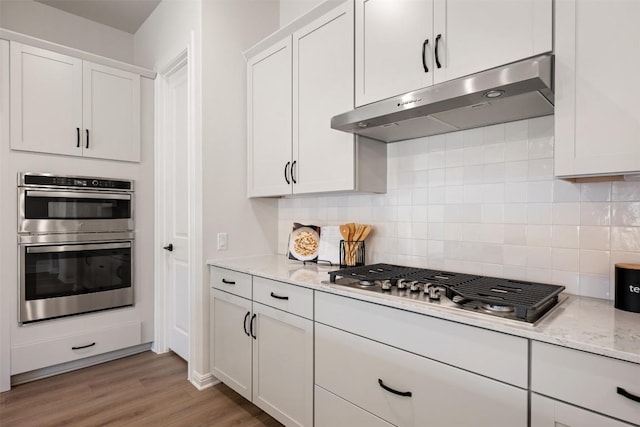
508	299
497	308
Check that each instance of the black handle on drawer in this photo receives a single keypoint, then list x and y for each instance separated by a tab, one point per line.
390	390
251	326
244	324
83	346
78	140
628	395
87	146
278	296
228	282
438	37
293	170
424	59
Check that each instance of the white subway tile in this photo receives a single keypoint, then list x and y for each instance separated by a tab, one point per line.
541	148
454	158
452	231
515	213
566	213
625	213
493	134
472	193
405	178
472	137
515	192
540	191
565	259
454	194
419	214
454	176
539	213
540	275
472	156
435	230
515	272
540	127
540	169
419	230
538	257
595	237
516	150
568	279
435	213
595	192
420	179
565	191
493	193
598	213
473	174
539	235
625	239
623	191
493	270
420	196
404	246
436	178
435	249
493	153
515	234
596	286
516	131
594	262
492	213
493	173
515	255
419	248
492	233
455	140
516	171
436	143
437	195
404	213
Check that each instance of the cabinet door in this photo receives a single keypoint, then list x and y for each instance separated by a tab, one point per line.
476	35
269	121
394	48
547	412
232	341
111	113
283	365
597	103
46	101
411	391
322	88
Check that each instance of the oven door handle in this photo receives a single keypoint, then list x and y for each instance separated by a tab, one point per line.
78	195
75	248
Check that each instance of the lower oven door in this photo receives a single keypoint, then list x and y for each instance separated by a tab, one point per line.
62	279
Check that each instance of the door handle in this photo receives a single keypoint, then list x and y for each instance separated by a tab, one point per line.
87	146
438	37
169	247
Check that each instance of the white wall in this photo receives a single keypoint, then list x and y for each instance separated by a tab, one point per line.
484	201
48	23
292	9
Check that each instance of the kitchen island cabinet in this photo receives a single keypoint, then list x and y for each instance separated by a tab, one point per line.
547	412
65	105
396	41
263	343
597	107
294	87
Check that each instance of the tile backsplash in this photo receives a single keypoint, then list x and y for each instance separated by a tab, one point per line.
484	201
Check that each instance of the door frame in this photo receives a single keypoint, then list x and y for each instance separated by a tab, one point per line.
197	371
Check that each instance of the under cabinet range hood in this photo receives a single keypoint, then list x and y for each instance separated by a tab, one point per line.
516	91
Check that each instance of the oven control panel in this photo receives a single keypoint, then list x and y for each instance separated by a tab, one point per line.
75	182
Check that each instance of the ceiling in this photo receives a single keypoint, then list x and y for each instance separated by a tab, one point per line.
125	15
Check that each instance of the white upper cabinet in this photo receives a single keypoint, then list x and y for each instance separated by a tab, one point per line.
269	121
64	105
404	45
394	40
597	103
323	87
294	88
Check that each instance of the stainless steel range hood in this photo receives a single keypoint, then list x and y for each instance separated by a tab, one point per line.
512	92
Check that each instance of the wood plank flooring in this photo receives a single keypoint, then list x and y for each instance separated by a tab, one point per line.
141	390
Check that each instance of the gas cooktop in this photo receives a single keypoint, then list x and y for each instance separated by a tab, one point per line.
505	298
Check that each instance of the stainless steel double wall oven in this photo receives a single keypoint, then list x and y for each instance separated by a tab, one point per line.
76	241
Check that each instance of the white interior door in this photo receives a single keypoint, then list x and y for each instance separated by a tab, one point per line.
177	212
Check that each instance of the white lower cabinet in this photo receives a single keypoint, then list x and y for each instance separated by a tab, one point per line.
547	412
262	351
333	411
409	390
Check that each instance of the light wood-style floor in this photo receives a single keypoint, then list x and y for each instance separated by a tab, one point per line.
141	390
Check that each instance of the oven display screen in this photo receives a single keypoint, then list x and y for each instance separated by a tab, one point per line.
60	274
76	208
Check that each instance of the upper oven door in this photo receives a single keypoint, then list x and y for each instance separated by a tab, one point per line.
55	211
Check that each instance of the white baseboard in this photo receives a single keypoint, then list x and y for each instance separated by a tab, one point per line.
201	382
50	371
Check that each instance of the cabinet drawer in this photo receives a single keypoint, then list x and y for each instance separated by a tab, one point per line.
358	370
332	411
291	298
496	355
231	281
586	380
41	354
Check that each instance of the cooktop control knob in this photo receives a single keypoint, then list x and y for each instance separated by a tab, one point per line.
384	284
434	293
414	286
402	284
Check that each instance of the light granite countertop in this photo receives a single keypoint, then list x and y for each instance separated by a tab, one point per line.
581	323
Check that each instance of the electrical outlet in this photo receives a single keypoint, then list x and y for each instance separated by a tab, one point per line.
222	241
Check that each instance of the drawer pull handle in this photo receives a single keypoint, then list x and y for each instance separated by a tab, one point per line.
278	296
244	324
228	282
390	390
253	335
83	346
628	395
